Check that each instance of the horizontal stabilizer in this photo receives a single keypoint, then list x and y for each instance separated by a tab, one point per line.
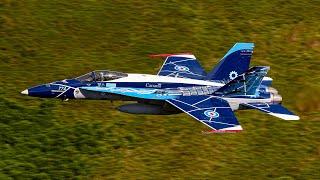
274	110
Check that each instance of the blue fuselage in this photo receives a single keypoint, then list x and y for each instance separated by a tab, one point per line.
142	87
75	89
69	89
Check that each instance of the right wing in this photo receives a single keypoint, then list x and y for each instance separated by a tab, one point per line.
182	65
209	110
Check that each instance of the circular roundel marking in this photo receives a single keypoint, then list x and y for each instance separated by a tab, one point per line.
76	91
211	114
181	68
233	74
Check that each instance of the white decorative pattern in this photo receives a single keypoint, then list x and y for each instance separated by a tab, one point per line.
233	74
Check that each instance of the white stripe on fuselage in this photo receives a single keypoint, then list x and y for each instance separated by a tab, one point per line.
164	79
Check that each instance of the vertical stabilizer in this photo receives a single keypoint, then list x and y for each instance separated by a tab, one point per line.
234	63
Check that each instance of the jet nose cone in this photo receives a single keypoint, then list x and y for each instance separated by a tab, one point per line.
25	92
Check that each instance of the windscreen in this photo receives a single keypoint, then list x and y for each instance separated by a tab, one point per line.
89	77
101	75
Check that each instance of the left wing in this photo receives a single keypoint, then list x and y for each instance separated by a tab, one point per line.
182	65
209	110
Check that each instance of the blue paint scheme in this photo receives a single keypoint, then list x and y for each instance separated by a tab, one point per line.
198	107
143	93
163	85
44	91
239	47
236	62
51	90
245	84
269	108
207	104
266	83
182	67
59	89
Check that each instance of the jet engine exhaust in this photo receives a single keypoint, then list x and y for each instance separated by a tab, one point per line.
275	97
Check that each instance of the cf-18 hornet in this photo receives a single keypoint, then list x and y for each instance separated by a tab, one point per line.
182	85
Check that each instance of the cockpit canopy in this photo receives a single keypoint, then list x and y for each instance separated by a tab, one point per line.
101	75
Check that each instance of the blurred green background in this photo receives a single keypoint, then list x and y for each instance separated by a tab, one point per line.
47	40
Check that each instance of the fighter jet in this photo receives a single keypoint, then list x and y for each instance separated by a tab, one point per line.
182	85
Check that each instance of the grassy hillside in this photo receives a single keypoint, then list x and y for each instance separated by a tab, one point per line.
43	41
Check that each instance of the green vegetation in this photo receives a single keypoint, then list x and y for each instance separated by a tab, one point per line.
43	41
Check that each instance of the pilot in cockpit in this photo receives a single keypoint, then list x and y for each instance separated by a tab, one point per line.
101	76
